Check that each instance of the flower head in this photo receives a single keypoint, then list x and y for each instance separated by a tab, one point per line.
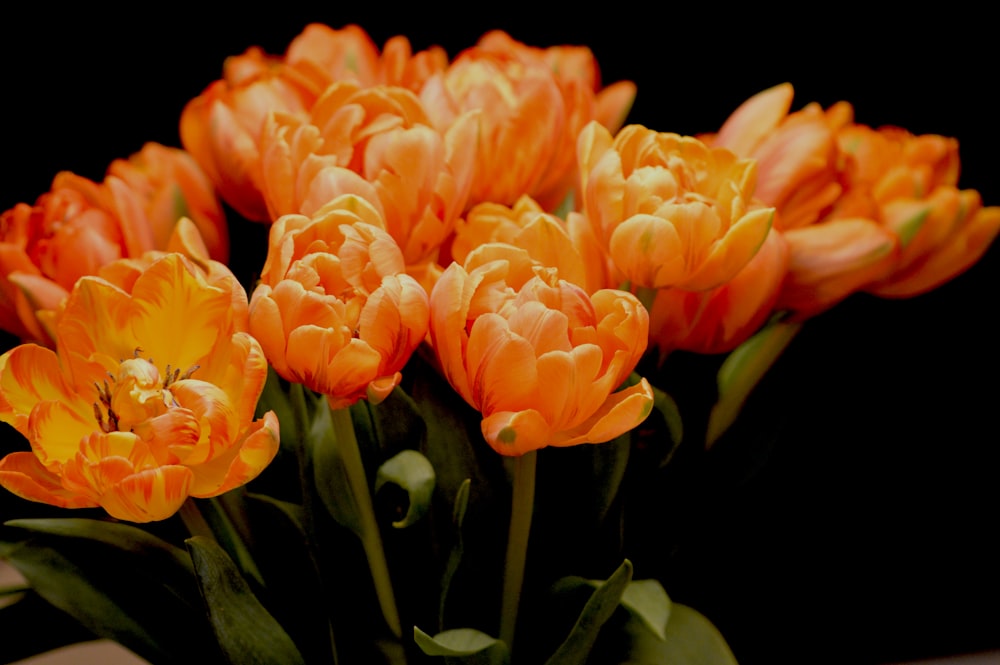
334	309
221	127
537	356
79	226
131	414
377	143
669	210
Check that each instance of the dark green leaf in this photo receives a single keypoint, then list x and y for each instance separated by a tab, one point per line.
87	568
599	608
413	473
245	631
742	370
455	555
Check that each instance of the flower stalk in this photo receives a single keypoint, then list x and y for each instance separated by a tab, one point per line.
371	539
522	504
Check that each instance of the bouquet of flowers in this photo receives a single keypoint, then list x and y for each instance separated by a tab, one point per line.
455	275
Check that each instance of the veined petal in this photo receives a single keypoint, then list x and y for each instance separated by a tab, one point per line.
30	375
240	463
169	294
149	495
22	474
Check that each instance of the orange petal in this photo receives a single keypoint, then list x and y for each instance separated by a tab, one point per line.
241	463
24	475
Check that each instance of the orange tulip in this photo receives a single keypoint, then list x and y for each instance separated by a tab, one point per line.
547	239
797	155
668	210
403	68
334	309
327	55
128	415
157	186
79	226
576	73
523	122
538	357
909	185
720	319
221	127
377	143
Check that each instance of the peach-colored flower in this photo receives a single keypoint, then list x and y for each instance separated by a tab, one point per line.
546	238
157	186
221	127
78	226
908	184
577	75
377	143
720	319
327	55
334	310
862	209
668	210
523	122
128	414
538	357
797	154
403	68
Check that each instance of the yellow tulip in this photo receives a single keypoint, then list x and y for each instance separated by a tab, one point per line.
126	413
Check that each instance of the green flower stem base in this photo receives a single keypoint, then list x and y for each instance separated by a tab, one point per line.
371	539
522	504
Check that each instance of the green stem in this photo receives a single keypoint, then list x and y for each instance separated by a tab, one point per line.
194	520
300	411
371	538
522	505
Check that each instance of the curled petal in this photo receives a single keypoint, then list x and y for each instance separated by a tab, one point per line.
22	474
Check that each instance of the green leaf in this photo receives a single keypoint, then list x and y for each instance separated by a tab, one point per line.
329	473
413	473
742	370
599	608
87	568
667	408
648	601
245	631
690	639
274	398
463	645
455	555
296	594
397	421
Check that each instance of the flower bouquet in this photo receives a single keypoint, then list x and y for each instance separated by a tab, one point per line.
419	409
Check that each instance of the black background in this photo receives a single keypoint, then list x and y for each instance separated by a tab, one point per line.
865	530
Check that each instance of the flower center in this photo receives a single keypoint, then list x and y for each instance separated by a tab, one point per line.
137	393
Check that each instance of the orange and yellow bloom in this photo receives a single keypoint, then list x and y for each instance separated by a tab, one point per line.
129	413
335	310
78	226
537	356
